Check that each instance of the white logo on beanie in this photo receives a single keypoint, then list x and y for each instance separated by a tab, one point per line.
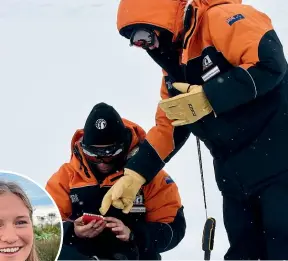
100	124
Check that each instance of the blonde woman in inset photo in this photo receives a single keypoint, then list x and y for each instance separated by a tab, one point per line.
16	227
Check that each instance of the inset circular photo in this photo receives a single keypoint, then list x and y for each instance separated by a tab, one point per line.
30	222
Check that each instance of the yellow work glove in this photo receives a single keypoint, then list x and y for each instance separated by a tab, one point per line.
122	194
188	107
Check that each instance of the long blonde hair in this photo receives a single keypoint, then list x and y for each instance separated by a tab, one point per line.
14	188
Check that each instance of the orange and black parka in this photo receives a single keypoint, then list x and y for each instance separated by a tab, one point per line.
233	51
156	219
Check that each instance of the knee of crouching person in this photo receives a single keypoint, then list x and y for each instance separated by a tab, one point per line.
180	223
178	229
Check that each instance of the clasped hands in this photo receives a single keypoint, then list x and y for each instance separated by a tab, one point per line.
94	228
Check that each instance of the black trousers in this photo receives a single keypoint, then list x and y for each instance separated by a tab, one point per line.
257	226
71	253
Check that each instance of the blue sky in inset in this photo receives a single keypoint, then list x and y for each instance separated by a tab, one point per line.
36	194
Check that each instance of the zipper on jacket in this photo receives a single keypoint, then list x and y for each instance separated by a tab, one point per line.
193	28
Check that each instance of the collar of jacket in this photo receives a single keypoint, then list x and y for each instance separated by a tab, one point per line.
193	15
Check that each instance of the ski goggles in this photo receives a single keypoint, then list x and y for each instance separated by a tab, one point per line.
145	39
102	154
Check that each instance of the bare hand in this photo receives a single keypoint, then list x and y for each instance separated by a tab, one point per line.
90	230
122	232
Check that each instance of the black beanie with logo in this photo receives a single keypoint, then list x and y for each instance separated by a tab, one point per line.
104	126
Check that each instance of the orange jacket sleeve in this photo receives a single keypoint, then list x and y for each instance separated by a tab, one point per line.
247	40
161	135
58	187
162	142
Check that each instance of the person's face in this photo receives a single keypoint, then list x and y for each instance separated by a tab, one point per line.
16	230
104	168
145	39
103	157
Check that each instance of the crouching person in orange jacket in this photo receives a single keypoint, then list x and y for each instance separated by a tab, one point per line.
156	222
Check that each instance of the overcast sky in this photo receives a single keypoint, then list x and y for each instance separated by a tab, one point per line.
37	195
60	57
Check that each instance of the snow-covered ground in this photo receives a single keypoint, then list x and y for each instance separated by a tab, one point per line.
60	57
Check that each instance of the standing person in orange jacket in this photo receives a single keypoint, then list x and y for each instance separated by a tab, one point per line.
156	222
225	80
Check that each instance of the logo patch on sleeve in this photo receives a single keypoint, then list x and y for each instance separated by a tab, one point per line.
233	19
169	180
